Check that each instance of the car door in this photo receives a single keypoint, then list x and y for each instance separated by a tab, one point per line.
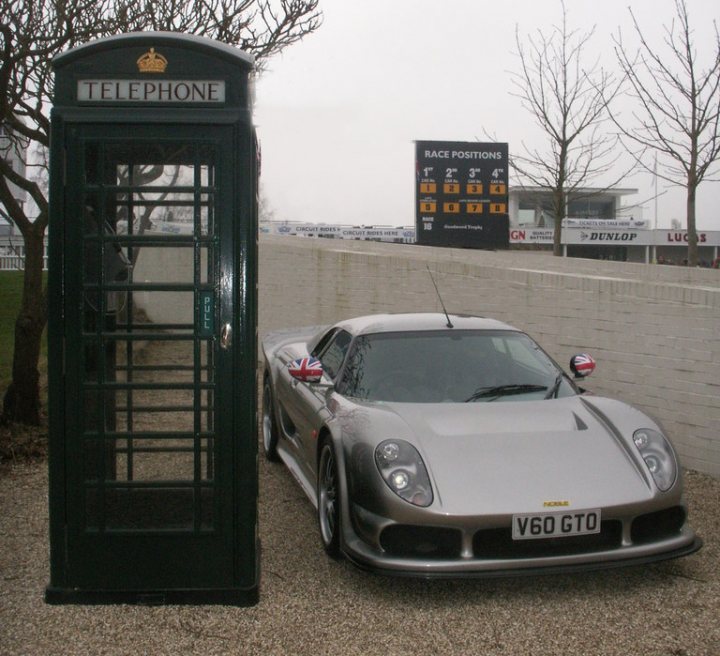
287	395
305	403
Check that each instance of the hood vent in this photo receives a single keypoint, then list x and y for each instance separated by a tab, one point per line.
581	425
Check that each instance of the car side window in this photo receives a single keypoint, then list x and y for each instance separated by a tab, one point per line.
322	344
333	355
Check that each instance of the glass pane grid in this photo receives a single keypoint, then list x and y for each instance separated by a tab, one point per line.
148	446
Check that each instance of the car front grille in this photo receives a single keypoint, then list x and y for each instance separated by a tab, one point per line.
439	543
498	543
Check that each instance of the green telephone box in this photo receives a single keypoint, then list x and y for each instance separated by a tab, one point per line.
153	324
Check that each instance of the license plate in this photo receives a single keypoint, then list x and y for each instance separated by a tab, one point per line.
555	524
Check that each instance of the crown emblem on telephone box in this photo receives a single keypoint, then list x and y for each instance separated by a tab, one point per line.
152	62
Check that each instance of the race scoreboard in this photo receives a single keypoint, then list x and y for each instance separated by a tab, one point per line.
461	194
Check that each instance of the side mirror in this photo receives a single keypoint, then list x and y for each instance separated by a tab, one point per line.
582	365
306	370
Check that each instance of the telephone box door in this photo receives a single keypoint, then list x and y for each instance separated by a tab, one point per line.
148	306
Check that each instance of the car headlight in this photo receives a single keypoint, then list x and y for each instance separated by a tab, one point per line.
658	456
404	472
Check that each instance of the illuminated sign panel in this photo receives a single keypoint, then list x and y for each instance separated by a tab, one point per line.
461	194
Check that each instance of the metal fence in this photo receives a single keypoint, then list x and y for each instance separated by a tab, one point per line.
12	254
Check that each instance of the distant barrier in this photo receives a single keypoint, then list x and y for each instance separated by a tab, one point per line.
12	254
16	263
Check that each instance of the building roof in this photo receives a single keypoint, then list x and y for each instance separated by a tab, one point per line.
584	191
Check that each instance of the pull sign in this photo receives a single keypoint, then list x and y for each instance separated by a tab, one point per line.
206	326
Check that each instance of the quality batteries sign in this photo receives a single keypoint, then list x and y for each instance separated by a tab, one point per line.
461	194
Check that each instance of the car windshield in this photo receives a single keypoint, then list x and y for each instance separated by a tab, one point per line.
451	366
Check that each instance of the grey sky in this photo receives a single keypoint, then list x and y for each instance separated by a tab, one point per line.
337	114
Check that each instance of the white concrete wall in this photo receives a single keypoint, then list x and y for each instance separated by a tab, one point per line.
654	330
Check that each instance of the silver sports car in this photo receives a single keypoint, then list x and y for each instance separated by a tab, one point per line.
439	445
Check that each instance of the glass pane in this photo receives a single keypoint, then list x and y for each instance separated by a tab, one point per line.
173	263
205	215
207	411
144	460
207	367
156	361
115	259
170	212
170	308
164	265
207	171
153	411
160	185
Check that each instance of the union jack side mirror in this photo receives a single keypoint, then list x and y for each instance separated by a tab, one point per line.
582	365
306	370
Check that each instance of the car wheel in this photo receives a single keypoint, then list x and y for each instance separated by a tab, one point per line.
328	492
269	425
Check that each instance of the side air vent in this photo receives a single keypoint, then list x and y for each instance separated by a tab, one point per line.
287	424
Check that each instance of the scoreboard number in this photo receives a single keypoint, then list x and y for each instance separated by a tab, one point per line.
475	188
497	208
474	208
451	188
497	190
428	188
451	208
428	206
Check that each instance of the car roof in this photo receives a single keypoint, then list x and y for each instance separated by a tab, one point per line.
381	323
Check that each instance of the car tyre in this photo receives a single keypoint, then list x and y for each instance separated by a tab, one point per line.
270	432
328	496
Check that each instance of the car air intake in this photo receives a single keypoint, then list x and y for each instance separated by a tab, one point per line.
657	525
429	542
498	543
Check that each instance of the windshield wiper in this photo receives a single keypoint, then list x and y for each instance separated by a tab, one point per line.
504	390
552	394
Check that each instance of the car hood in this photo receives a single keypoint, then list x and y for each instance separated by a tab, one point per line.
531	455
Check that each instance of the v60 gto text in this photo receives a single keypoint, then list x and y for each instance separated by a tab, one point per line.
527	527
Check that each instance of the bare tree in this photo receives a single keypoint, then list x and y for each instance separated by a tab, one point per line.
568	101
265	209
32	32
678	109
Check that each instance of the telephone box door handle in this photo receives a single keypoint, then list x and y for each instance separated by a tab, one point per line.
226	336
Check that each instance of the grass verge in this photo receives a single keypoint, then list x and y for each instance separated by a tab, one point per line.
10	293
18	442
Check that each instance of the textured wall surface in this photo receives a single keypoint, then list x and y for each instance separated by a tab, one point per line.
654	330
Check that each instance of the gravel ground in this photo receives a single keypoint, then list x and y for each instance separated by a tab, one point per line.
311	605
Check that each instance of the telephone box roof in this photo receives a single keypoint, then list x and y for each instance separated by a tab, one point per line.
174	39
